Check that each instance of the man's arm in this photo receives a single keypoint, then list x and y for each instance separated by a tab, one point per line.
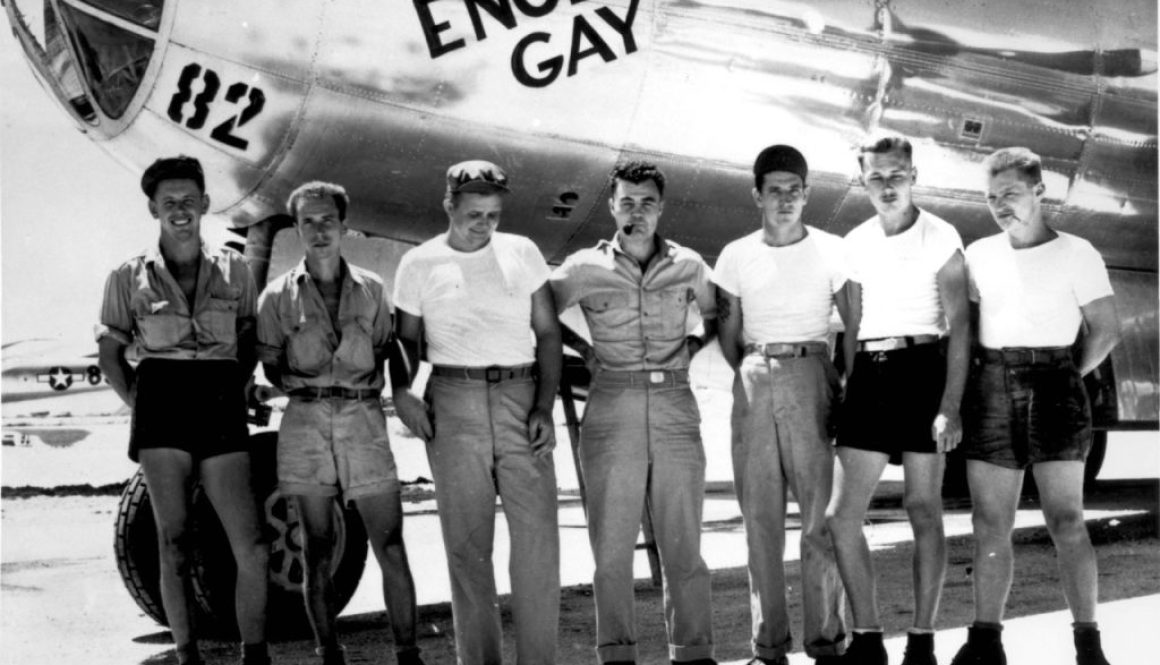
729	327
853	321
842	304
118	371
549	360
1103	332
409	406
247	350
947	429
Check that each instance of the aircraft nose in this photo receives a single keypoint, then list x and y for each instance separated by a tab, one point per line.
101	85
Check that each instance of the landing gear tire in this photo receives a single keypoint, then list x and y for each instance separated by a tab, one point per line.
214	572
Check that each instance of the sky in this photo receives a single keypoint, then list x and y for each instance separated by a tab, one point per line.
69	212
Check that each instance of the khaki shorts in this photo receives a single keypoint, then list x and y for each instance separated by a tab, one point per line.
332	447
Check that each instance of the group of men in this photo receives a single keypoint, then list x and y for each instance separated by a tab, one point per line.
482	306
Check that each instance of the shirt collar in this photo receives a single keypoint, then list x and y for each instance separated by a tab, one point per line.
153	253
612	246
346	276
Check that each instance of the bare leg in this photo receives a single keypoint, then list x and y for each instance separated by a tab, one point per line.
995	498
318	540
168	474
856	474
923	502
382	515
226	479
1061	491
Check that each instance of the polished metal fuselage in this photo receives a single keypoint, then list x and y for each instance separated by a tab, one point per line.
381	95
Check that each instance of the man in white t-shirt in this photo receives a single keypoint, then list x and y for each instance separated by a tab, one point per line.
480	302
776	290
1026	405
909	335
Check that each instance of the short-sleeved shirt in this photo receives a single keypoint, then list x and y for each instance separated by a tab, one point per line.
899	275
1032	297
296	333
786	292
145	308
476	306
638	318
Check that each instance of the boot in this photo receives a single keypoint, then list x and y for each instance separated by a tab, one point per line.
865	649
919	649
983	647
255	654
1087	647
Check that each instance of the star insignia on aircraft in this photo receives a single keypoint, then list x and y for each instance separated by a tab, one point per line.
59	378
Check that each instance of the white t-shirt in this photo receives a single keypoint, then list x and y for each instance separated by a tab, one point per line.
476	306
787	293
899	275
1032	297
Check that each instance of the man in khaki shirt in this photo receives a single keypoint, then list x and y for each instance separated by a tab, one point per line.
324	331
641	437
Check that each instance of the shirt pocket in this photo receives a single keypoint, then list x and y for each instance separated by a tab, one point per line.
307	348
357	348
612	316
159	326
218	321
672	313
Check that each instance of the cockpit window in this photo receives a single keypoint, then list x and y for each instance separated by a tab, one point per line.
145	13
112	59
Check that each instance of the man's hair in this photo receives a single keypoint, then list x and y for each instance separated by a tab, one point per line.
636	172
881	144
181	167
317	189
1025	162
779	158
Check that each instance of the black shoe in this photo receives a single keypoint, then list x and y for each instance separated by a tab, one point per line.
919	649
1087	647
828	660
255	654
758	660
983	647
408	656
699	661
331	655
865	649
620	662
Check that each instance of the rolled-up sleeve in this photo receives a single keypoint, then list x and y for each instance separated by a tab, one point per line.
566	287
270	338
116	320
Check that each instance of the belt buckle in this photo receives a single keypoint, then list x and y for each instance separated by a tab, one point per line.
656	377
493	375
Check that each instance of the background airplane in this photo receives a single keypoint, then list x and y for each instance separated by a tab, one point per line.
38	368
382	96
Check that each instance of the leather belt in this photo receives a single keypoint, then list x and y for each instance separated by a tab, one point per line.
334	392
895	343
493	374
643	377
1025	355
789	350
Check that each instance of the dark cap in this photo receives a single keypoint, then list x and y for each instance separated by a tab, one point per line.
779	158
476	177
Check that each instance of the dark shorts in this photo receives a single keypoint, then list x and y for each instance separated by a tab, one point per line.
194	405
1017	413
892	398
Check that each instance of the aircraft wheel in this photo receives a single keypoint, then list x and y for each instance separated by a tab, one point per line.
214	571
135	548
